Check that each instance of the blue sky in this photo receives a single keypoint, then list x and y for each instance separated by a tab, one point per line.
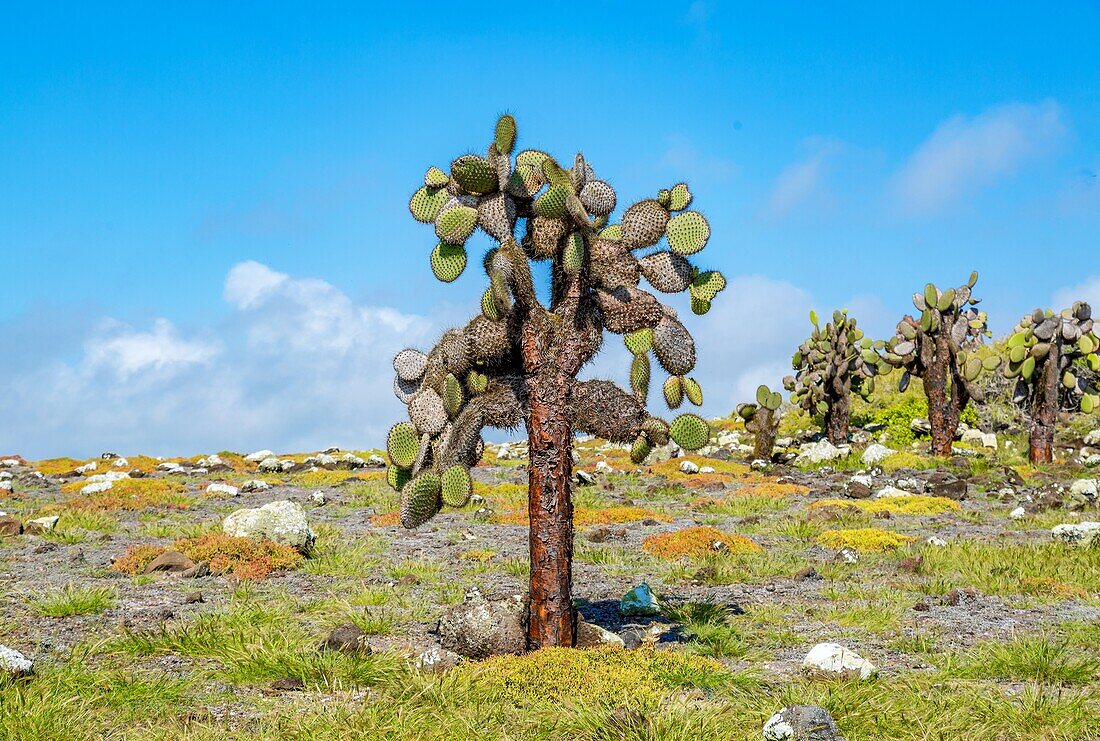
202	210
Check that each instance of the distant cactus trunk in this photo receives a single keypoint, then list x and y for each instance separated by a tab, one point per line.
550	507
941	418
766	429
836	418
1044	409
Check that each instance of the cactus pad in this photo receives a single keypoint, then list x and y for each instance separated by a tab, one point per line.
457	486
690	431
673	346
455	224
644	223
427	413
667	271
474	175
448	261
688	233
426	202
402	445
420	500
504	137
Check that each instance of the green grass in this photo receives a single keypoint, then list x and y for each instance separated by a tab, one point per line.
1034	659
71	601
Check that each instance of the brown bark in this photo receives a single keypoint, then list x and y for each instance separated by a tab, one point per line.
837	397
939	398
766	429
550	507
1044	408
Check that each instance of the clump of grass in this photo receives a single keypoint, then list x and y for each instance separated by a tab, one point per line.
696	542
1045	570
243	558
864	540
1037	659
917	504
552	676
772	489
70	601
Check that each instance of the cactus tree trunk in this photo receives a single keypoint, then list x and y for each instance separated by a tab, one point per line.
837	416
940	399
1044	409
550	505
765	434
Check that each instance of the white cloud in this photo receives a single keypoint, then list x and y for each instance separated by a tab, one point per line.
801	182
297	365
965	154
1087	290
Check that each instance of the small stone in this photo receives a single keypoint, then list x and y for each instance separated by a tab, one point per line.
347	638
888	492
936	541
584	478
171	562
481	627
1082	534
318	498
590	635
375	461
1085	488
194	598
802	723
820	452
640	602
41	525
14	664
706	469
875	454
921	426
1018	514
688	467
288	684
604	467
836	660
96	487
759	464
226	489
635	636
10	526
255	485
258	456
808	573
847	555
436	659
1093	438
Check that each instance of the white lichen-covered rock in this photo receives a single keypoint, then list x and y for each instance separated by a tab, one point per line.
274	465
1093	438
41	525
96	487
936	541
481	627
1082	534
170	467
1092	461
887	492
822	451
706	469
374	461
437	659
833	659
1018	514
10	463
689	467
875	454
802	723
282	522
1086	488
604	467
258	456
255	485
227	489
14	664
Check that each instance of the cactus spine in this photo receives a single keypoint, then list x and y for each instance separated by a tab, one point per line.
1048	355
836	361
517	360
937	348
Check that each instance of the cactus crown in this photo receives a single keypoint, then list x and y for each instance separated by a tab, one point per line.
474	377
1068	339
836	359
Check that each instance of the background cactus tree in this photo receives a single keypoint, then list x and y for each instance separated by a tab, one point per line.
834	362
518	359
762	420
1046	353
937	348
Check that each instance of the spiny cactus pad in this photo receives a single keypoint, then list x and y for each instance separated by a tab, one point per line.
690	431
420	500
688	233
402	444
448	261
457	486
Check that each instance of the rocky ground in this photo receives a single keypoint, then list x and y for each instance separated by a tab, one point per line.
909	597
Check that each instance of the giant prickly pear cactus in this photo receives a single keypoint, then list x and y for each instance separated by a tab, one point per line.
762	420
517	360
1045	354
834	362
937	348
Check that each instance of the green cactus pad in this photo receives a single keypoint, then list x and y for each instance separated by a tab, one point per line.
1027	368
532	158
693	391
474	175
435	178
504	137
420	500
690	431
688	233
552	203
397	477
707	284
452	395
1089	403
639	342
456	486
640	450
972	368
426	202
673	391
679	197
489	306
455	224
762	394
947	298
699	306
931	295
639	375
773	401
612	233
402	444
448	261
573	255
